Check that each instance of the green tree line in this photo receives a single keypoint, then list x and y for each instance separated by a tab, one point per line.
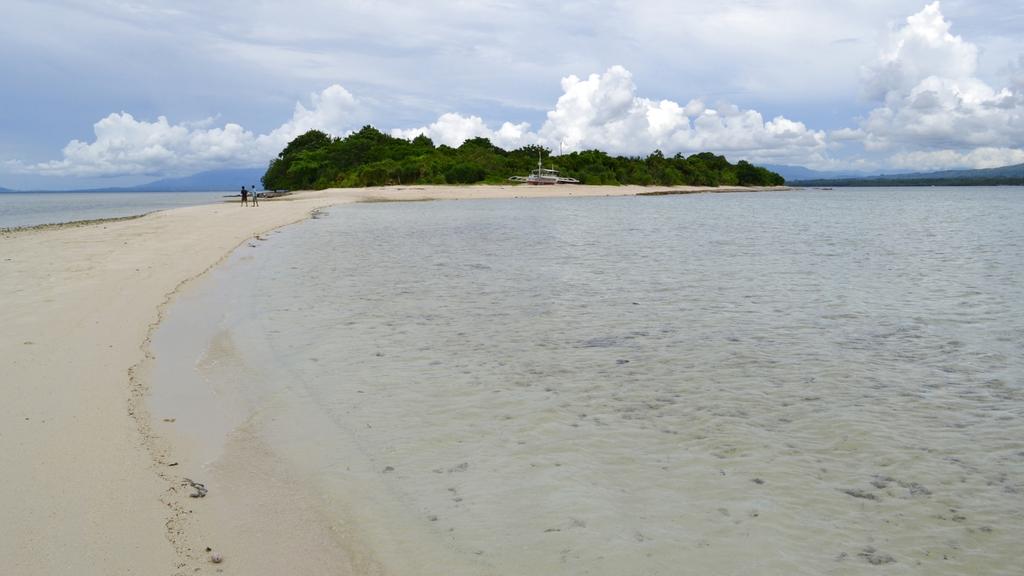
369	157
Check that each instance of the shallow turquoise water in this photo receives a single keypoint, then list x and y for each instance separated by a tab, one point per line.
807	382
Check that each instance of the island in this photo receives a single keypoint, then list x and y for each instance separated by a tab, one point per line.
317	161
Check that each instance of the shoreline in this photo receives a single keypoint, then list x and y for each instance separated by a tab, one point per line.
285	196
69	224
89	485
83	494
33	210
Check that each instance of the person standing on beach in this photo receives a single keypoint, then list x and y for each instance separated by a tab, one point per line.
245	196
255	196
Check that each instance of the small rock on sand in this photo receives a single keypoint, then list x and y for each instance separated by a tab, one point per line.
858	493
875	557
460	468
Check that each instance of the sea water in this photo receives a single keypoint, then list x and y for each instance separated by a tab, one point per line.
802	382
33	208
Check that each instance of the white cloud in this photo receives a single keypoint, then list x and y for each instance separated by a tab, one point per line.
604	112
933	108
940	159
124	145
922	48
412	61
846	134
453	129
930	108
1016	70
332	112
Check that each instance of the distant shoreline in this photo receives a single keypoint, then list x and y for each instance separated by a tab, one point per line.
119	191
387	194
29	210
907	182
371	193
719	190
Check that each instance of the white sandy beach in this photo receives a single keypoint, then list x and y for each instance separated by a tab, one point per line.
87	487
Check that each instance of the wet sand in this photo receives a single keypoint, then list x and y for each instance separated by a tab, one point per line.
89	488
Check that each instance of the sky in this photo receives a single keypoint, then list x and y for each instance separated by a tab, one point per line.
108	93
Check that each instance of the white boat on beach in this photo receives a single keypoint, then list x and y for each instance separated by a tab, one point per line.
543	176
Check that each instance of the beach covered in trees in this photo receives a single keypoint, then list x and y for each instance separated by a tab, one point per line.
369	157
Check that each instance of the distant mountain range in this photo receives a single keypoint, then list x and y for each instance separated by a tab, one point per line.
229	179
791	173
212	180
1014	171
1003	175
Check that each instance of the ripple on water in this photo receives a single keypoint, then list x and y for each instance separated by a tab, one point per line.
807	383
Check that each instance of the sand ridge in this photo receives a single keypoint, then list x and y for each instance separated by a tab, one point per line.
82	493
89	489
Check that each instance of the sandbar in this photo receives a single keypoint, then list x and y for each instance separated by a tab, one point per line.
88	489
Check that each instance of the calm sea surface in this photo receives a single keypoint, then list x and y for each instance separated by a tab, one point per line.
33	208
806	382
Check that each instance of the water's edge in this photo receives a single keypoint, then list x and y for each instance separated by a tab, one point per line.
256	443
247	415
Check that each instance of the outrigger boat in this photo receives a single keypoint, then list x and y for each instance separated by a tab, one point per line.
543	176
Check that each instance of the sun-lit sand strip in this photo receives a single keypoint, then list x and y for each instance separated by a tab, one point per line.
86	490
80	491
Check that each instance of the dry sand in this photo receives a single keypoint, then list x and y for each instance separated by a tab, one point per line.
87	487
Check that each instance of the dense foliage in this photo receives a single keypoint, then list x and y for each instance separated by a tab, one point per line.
368	157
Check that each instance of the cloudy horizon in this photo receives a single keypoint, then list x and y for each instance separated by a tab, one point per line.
114	93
